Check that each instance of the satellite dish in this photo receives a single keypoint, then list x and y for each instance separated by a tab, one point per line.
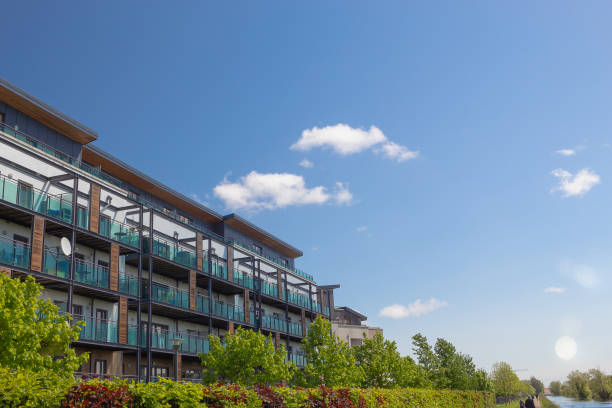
66	247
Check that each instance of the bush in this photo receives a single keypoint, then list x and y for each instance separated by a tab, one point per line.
171	394
24	388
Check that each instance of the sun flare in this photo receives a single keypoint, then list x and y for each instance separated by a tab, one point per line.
566	348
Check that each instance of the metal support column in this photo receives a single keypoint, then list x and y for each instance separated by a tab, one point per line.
259	294
286	309
75	195
150	300
139	301
210	297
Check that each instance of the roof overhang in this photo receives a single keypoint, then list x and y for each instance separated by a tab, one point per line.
45	114
353	312
240	224
122	171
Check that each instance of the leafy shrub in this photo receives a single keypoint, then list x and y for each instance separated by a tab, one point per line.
24	388
167	394
99	394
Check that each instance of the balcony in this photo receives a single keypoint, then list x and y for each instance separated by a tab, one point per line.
51	205
83	218
202	304
243	279
295	329
299	359
14	253
162	339
274	323
171	296
128	284
56	264
326	311
124	233
98	330
218	270
316	307
298	299
269	289
91	274
172	251
228	311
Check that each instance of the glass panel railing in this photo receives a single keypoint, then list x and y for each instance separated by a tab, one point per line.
295	329
219	270
14	253
326	311
55	264
162	339
316	307
58	206
124	233
202	304
228	311
132	333
298	359
243	279
274	323
98	330
269	289
91	274
168	295
173	251
128	284
83	218
298	299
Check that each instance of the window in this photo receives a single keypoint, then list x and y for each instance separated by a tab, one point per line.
24	194
100	367
21	251
166	210
101	314
159	371
105	225
257	249
77	311
193	374
82	220
284	262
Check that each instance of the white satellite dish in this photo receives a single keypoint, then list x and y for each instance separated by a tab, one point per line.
66	247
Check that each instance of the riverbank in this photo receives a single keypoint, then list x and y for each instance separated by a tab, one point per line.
541	402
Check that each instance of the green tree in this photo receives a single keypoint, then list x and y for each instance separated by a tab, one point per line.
505	382
384	367
33	336
330	361
537	385
247	358
555	387
577	385
600	385
527	388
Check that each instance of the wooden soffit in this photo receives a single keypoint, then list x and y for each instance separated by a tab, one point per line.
259	235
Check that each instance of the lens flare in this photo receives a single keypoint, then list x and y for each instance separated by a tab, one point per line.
566	348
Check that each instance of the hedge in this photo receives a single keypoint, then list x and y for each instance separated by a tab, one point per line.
173	394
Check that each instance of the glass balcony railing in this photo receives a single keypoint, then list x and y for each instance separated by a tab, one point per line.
55	264
326	311
14	253
98	330
58	206
298	359
172	251
91	274
128	284
168	295
243	279
202	304
132	332
124	233
82	218
162	339
298	299
269	289
274	323
316	307
227	311
218	270
295	329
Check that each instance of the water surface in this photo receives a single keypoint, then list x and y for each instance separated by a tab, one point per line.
564	402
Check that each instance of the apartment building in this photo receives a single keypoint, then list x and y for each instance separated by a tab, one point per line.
145	267
347	325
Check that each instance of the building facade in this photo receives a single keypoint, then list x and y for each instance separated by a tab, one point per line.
141	264
347	325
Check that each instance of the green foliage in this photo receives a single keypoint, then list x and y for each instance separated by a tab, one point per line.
505	382
384	367
247	358
445	367
600	385
167	394
555	387
526	388
25	388
33	336
577	386
537	385
330	360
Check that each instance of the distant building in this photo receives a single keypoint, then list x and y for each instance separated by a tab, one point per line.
347	325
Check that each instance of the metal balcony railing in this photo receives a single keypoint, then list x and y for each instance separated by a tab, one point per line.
14	253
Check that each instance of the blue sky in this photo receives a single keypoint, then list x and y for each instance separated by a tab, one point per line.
200	95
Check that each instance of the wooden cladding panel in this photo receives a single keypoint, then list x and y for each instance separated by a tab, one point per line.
231	328
94	208
179	366
114	267
192	290
230	264
38	234
303	322
279	283
123	320
247	315
277	342
5	272
199	263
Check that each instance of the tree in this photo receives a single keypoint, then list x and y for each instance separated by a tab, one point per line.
600	385
537	385
577	385
526	388
505	382
555	387
247	358
329	359
384	367
33	336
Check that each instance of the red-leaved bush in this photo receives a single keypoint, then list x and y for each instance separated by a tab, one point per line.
98	395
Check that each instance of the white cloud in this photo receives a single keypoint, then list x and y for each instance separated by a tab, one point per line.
257	191
346	140
397	152
554	289
414	309
575	185
362	228
566	152
307	164
584	275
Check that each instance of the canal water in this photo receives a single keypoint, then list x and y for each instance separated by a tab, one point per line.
564	402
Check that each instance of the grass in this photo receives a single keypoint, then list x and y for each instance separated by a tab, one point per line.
545	403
